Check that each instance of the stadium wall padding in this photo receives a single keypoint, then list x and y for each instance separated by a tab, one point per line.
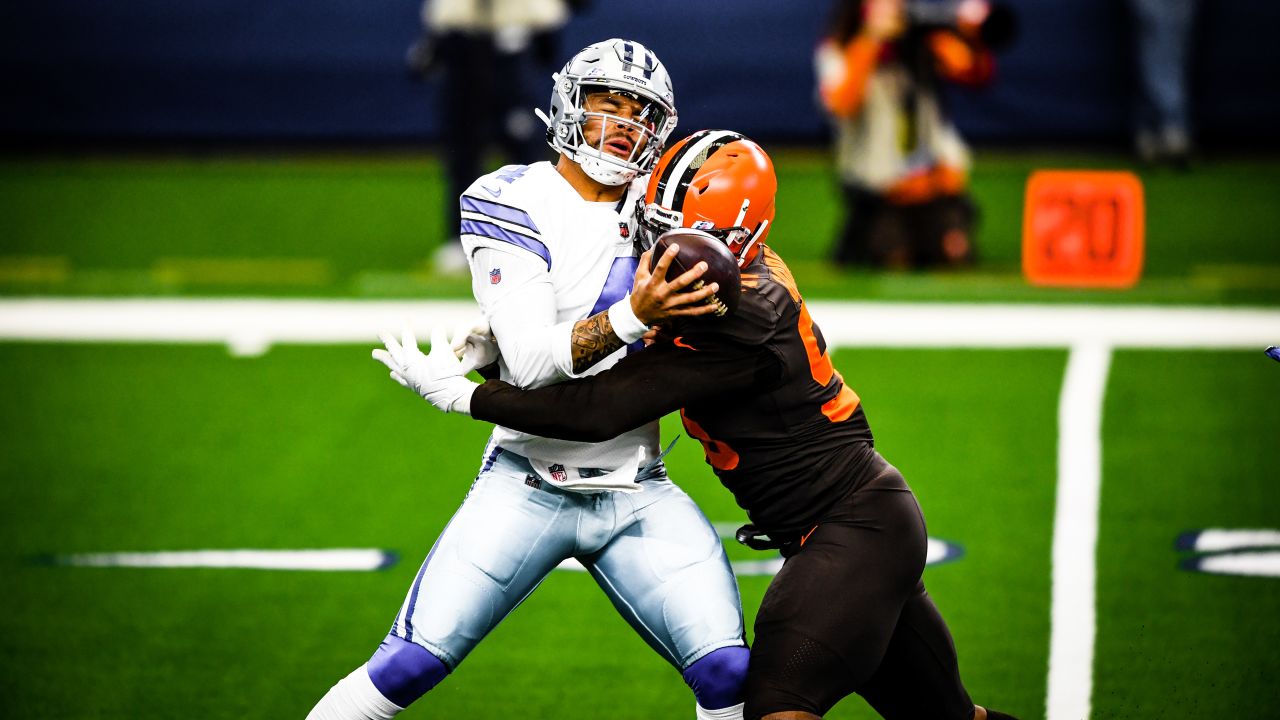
332	70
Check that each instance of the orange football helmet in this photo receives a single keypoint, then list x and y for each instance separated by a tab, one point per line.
714	180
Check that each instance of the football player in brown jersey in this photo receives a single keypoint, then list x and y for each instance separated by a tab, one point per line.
848	612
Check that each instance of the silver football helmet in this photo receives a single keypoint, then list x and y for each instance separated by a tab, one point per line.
619	68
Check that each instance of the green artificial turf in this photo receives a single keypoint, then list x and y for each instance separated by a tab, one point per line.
355	226
121	448
975	434
1190	443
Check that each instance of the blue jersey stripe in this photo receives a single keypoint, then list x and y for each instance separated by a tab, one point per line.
498	211
497	232
493	457
622	275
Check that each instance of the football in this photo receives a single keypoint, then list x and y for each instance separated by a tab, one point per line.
722	266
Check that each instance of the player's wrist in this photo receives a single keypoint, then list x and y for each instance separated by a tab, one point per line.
628	327
450	394
462	405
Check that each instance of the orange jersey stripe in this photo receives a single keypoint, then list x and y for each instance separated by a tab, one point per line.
841	407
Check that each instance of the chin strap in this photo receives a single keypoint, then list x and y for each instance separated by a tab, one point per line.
604	172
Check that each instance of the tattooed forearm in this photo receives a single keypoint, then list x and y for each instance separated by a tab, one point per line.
593	340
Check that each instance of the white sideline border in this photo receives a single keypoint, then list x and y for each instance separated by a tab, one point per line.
260	323
329	560
251	327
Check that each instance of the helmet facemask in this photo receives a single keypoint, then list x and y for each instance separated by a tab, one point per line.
617	137
739	239
652	220
611	111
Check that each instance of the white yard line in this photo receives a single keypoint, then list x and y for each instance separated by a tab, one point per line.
1075	532
251	327
246	326
357	559
255	325
1220	539
1044	326
1264	563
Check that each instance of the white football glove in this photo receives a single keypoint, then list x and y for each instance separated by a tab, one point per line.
438	377
474	345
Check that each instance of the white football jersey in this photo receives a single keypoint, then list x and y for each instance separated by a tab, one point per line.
542	258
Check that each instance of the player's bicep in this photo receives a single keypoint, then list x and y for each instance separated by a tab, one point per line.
515	293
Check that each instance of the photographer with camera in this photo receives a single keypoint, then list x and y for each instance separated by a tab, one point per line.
903	166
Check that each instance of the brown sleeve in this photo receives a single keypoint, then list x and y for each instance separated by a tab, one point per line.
642	387
490	371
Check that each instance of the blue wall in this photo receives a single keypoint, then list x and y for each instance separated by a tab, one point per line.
284	70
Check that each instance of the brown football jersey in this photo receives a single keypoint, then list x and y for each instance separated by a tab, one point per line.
783	448
778	424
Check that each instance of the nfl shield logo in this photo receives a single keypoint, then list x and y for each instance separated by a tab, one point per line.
557	473
495	276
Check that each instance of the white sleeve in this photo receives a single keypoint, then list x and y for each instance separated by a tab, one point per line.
515	294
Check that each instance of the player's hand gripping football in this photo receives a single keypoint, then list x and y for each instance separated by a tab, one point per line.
655	300
439	377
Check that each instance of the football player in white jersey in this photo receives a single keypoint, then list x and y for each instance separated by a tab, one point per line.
555	273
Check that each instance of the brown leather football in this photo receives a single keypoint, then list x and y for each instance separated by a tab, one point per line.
722	266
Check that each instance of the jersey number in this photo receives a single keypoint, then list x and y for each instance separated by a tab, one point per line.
840	407
719	455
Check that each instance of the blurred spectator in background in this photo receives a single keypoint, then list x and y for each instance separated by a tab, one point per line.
489	55
903	166
1162	35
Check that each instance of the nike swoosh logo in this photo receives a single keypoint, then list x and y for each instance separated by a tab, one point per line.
680	343
493	191
806	535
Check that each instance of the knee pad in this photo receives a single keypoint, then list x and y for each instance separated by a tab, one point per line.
717	678
403	671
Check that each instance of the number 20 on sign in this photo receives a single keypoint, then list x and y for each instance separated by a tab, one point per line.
1083	229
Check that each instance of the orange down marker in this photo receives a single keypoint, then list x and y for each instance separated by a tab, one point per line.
1083	229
